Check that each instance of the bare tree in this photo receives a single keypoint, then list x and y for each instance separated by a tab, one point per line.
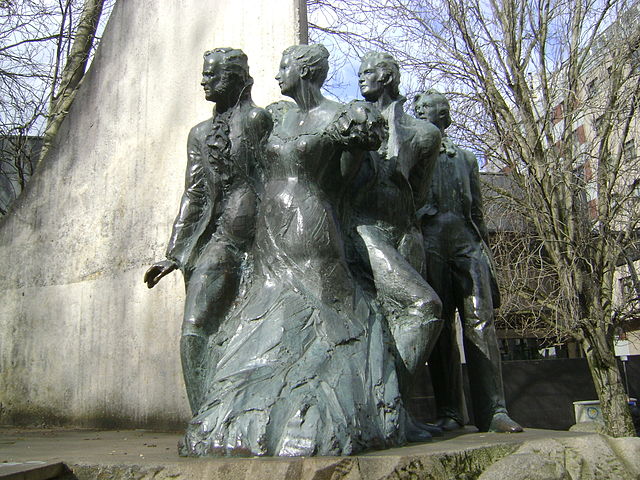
45	46
547	91
74	70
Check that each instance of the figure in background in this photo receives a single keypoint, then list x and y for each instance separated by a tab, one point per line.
215	225
301	365
459	267
388	242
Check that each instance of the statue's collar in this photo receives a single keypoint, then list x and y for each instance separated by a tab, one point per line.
395	107
448	146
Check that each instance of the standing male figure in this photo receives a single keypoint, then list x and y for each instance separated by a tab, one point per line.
459	267
387	234
215	224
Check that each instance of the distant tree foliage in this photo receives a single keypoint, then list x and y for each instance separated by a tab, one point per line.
546	91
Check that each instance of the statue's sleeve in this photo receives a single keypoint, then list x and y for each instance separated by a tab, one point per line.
277	111
189	220
477	217
426	145
477	214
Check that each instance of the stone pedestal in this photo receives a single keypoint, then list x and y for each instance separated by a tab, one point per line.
534	454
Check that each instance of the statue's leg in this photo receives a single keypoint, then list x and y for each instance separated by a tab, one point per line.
446	376
211	289
413	308
481	347
445	366
192	352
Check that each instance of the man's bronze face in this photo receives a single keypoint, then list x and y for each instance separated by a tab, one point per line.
434	109
371	80
217	81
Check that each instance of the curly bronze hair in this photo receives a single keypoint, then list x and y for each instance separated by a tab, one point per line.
233	60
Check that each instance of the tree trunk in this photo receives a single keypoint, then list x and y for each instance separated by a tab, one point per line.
608	383
73	71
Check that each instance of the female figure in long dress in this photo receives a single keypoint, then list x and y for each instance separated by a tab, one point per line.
303	364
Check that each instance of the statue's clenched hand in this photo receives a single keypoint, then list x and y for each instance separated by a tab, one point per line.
157	271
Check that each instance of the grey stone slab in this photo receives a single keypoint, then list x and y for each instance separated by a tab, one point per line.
30	470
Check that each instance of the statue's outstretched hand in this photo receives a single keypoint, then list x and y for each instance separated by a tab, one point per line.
358	125
157	271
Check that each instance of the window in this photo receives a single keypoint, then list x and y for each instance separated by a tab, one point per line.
627	290
558	113
629	150
635	58
592	89
598	124
593	208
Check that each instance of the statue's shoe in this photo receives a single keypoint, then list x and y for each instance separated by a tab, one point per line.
422	432
418	436
502	423
434	430
448	424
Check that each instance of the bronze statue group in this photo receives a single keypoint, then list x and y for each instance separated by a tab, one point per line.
326	249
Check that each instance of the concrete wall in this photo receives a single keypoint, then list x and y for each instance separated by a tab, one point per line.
539	393
82	340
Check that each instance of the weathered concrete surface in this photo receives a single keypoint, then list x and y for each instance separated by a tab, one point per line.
82	340
589	457
150	455
592	427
